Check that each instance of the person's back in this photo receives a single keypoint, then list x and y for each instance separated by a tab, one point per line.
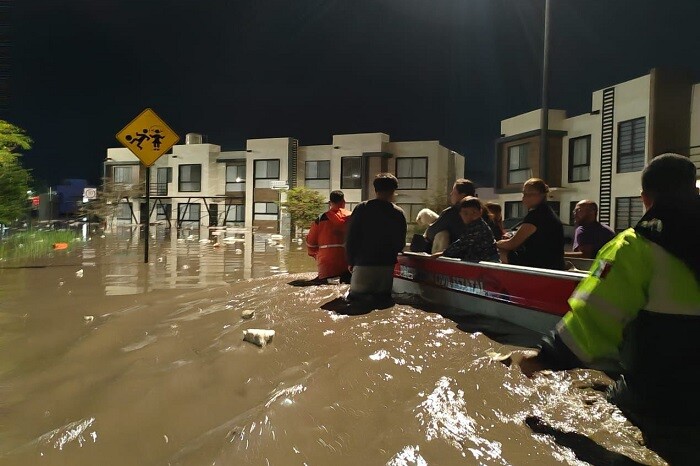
326	239
640	308
592	237
377	233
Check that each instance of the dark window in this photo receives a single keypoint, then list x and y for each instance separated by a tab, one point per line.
572	206
235	213
518	165
351	173
213	215
123	175
163	177
266	170
580	159
514	209
411	211
235	177
190	178
631	137
555	206
412	172
124	211
628	211
163	212
189	212
265	210
318	174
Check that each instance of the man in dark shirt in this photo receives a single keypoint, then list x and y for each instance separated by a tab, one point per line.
377	233
449	219
590	235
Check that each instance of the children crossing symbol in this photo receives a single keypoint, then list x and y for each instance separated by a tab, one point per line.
148	137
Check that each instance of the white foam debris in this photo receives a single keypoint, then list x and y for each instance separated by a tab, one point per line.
248	313
260	337
79	273
88	319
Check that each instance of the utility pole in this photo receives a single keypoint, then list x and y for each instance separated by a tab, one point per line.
544	117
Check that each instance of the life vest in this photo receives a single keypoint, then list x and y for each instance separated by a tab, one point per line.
326	242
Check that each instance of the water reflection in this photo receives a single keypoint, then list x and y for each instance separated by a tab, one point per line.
191	258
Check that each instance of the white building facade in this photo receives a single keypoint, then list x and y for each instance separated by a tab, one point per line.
600	155
198	184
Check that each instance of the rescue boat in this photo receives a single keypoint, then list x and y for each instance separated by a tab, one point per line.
526	296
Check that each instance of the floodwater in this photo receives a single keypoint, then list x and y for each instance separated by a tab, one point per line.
106	360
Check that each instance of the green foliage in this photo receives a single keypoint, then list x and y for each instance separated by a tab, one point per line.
12	138
109	196
33	244
304	205
14	184
14	180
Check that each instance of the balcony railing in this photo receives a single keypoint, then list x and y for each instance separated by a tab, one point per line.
159	189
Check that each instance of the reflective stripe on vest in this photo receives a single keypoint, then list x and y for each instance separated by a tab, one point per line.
324	246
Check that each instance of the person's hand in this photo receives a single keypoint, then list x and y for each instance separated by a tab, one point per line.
528	361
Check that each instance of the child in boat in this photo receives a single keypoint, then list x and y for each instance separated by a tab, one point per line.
476	242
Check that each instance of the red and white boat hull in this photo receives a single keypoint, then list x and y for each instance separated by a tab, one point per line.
529	297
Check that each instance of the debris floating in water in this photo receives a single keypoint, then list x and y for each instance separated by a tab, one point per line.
248	313
260	337
79	273
88	319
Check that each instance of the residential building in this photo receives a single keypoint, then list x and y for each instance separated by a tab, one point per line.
600	155
199	184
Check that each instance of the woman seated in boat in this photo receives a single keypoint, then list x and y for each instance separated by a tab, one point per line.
476	242
539	242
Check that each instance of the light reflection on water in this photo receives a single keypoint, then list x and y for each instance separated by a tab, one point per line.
185	261
107	360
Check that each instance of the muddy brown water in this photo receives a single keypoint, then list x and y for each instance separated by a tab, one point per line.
105	360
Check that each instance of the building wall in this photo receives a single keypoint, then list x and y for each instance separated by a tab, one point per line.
656	97
375	149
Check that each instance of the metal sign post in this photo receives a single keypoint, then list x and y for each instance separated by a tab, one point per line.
148	137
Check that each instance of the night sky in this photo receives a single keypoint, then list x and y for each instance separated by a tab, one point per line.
239	69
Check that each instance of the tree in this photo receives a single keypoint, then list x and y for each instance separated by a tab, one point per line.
110	196
304	206
14	179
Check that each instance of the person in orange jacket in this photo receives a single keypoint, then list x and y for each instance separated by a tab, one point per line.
326	240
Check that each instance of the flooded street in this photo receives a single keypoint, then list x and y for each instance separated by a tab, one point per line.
110	361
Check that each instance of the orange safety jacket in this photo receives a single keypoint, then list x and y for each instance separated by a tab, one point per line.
326	242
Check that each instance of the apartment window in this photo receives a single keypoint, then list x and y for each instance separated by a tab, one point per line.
123	211
580	159
318	174
235	177
412	172
189	212
555	206
630	145
411	211
572	206
163	212
514	209
266	170
124	175
190	178
163	177
351	173
628	211
265	210
518	166
235	213
213	215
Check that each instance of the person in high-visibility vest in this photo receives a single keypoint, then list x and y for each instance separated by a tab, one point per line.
638	314
326	240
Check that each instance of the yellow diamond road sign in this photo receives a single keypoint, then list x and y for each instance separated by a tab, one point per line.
148	137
